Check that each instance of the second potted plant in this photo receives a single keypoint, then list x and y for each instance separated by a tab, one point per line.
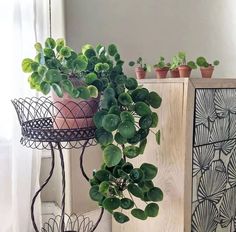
161	68
141	69
205	67
185	67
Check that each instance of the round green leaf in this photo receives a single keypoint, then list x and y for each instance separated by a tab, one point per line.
114	110
142	109
143	133
154	120
104	187
48	52
65	51
145	122
138	213
84	92
67	85
80	63
98	117
109	92
135	139
111	203
155	194
154	100
38	47
53	75
89	53
103	137
108	102
131	151
57	89
34	66
131	63
45	87
26	65
90	78
112	155
50	43
42	70
102	175
127	167
127	129
60	42
136	175
135	190
146	185
152	210
125	99
110	122
126	116
95	194
126	203
120	139
112	50
131	83
140	95
93	91
149	170
120	217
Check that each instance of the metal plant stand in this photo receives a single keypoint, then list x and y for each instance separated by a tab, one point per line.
57	126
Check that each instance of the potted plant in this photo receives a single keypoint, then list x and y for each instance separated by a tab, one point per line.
205	67
141	68
76	80
174	71
161	68
123	124
184	67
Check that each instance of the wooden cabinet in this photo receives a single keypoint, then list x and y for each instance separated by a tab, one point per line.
196	158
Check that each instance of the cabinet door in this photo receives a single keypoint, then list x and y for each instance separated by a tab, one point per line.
214	161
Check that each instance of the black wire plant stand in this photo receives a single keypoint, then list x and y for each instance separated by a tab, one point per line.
50	125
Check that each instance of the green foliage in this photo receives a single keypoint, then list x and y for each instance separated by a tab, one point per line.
162	64
122	124
202	62
140	64
180	59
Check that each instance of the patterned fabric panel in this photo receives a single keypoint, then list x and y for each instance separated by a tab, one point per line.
214	161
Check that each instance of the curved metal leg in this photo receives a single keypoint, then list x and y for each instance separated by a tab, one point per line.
42	187
87	178
63	188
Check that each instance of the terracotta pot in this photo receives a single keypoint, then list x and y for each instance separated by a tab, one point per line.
207	72
184	71
72	113
161	72
174	73
140	73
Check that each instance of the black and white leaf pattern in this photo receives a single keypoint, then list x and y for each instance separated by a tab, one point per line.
232	126
232	169
225	100
205	217
220	132
212	185
228	208
218	165
202	157
202	135
205	109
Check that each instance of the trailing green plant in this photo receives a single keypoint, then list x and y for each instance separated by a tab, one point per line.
140	64
180	59
202	62
122	125
162	64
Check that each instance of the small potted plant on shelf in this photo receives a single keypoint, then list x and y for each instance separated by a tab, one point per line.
174	71
184	67
141	69
161	68
205	67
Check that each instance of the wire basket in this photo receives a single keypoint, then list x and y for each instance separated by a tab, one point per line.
73	223
44	121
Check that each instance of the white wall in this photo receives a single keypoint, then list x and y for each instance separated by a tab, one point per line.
152	28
